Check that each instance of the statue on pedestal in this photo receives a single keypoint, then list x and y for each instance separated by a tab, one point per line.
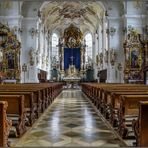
32	56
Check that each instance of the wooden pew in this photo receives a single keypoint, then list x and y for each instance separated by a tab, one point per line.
111	101
5	124
16	112
140	125
128	106
29	104
110	95
42	95
47	91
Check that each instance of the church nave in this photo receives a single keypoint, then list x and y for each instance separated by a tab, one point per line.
70	121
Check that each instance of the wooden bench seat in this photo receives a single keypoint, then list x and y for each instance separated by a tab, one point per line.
128	106
142	127
119	103
42	95
47	92
5	124
29	104
111	99
16	110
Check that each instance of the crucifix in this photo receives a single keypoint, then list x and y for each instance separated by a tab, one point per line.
72	58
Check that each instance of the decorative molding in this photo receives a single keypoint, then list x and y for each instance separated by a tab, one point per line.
114	18
134	16
112	56
111	31
30	18
33	32
12	17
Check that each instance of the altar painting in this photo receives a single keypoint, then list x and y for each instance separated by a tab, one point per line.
72	56
135	58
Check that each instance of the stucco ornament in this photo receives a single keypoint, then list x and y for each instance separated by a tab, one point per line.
32	56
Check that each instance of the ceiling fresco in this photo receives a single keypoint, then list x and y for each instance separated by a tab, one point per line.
59	15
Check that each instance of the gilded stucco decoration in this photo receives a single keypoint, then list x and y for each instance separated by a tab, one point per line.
73	37
10	51
134	55
68	11
112	56
32	56
60	14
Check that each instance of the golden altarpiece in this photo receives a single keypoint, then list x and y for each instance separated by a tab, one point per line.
134	58
9	55
72	39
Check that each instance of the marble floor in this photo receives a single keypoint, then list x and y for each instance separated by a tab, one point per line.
70	121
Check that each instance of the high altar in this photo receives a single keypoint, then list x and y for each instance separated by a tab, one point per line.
72	53
72	74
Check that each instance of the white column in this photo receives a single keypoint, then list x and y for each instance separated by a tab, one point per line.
29	41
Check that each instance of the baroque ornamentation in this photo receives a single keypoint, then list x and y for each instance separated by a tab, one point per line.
73	36
33	32
112	56
69	11
10	52
37	56
134	54
106	56
97	59
101	58
32	56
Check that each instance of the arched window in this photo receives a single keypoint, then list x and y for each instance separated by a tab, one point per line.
55	40
88	42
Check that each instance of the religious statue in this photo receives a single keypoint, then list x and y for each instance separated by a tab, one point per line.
1	55
135	58
106	56
112	56
43	60
54	61
37	57
32	56
47	61
101	58
10	60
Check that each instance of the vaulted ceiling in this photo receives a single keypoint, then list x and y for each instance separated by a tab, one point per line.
58	15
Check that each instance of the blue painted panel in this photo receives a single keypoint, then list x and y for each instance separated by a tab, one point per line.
72	52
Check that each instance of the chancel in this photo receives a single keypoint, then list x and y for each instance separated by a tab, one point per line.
73	73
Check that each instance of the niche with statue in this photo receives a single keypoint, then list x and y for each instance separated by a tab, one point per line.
134	55
9	54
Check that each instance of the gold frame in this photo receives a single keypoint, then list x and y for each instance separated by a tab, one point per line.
134	58
138	61
11	55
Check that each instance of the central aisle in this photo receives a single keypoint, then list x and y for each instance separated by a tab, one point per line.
70	121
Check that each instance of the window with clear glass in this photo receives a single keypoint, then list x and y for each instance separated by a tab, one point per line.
88	42
55	47
106	37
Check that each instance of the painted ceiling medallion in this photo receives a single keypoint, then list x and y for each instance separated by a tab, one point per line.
70	11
